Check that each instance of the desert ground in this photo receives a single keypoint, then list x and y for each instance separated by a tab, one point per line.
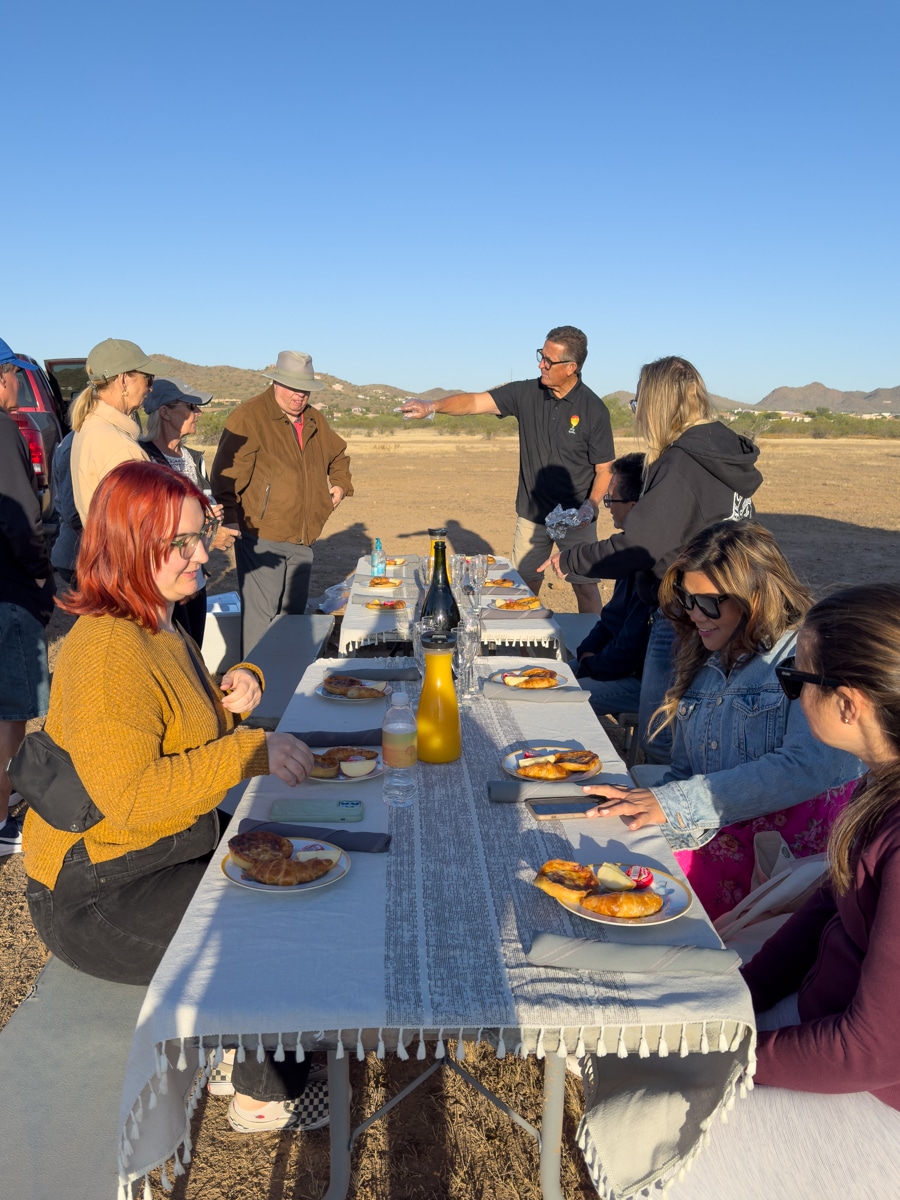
834	507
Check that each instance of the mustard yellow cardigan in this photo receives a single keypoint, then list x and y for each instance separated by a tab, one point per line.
150	740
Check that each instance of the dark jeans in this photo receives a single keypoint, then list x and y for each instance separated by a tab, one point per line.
115	920
658	677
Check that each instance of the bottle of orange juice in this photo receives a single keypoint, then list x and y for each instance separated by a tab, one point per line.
440	740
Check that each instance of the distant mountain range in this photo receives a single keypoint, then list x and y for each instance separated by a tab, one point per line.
235	383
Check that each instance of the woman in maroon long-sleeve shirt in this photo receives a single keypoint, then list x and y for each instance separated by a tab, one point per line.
841	951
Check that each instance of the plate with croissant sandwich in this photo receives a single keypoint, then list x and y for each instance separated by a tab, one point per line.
529	678
553	764
352	690
345	764
521	604
266	862
614	893
384	582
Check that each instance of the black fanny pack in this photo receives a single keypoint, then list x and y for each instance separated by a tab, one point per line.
44	774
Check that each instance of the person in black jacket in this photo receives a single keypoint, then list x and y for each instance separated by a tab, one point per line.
611	657
26	592
696	471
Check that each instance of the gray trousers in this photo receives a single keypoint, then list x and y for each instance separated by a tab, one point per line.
273	578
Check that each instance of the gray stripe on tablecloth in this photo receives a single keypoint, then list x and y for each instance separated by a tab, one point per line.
444	972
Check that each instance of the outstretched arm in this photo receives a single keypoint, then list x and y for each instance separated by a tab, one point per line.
464	404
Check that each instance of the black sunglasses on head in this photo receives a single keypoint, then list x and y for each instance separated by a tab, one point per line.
708	605
792	680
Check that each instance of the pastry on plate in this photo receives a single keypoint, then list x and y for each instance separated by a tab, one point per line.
521	604
259	845
630	905
385	604
565	880
351	687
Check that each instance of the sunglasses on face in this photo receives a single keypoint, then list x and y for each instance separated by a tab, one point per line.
186	543
792	680
708	605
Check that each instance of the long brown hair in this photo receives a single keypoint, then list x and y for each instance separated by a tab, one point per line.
854	636
742	560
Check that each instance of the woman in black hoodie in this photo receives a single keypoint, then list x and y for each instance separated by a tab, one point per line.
696	471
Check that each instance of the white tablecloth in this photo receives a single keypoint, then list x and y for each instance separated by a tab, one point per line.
362	626
424	943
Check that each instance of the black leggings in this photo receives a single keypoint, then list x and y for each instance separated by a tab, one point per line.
114	920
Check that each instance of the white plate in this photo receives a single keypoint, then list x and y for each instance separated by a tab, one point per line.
341	777
497	677
236	874
383	587
320	691
510	761
499	564
676	901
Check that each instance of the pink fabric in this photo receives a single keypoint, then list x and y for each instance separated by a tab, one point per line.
720	871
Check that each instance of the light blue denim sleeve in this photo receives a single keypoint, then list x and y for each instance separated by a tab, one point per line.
696	806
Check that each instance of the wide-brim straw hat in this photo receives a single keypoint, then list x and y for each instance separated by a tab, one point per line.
295	370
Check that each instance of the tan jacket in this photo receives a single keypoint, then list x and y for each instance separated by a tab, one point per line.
263	480
106	439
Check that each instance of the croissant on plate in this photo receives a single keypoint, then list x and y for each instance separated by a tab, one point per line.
288	872
259	845
623	904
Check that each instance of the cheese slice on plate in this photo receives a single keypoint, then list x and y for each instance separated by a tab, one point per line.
610	877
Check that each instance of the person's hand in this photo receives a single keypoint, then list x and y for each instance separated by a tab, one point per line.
289	759
225	537
553	563
417	409
636	806
337	495
244	691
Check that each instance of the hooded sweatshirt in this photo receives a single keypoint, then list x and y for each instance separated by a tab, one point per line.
709	474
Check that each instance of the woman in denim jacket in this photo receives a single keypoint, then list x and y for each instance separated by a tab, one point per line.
744	759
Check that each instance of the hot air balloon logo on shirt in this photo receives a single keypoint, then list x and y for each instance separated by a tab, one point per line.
573	424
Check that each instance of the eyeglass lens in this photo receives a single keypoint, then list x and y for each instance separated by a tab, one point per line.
708	605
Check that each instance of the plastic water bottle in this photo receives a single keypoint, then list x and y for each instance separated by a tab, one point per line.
399	733
379	559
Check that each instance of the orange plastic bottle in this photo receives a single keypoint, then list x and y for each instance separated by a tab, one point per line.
440	739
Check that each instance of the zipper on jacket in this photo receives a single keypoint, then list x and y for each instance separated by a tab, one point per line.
265	501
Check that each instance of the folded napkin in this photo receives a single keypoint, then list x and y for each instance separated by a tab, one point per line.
514	614
584	954
325	738
557	695
355	841
359	670
511	791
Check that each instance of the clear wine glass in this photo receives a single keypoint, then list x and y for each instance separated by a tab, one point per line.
478	571
423	625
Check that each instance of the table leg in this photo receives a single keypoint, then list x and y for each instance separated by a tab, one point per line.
339	1109
551	1126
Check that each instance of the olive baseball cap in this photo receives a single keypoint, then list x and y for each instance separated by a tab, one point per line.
169	390
116	356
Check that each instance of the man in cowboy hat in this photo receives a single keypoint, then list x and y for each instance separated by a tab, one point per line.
279	473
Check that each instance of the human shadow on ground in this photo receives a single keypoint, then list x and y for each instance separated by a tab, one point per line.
831	554
463	541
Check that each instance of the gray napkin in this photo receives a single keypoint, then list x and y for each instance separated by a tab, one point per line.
325	738
511	791
513	614
557	695
357	840
584	954
359	670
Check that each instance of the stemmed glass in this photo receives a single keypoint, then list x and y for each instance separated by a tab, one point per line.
468	646
423	625
478	573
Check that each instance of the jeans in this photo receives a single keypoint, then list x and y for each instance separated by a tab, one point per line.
114	920
659	674
613	695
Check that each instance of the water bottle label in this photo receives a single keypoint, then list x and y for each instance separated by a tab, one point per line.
399	749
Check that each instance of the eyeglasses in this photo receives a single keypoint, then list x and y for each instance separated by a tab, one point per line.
632	404
708	605
186	543
792	680
149	378
608	500
544	361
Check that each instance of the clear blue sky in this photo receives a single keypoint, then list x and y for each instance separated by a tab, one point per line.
414	193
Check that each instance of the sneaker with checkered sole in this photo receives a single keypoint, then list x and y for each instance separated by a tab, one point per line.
307	1112
11	837
219	1083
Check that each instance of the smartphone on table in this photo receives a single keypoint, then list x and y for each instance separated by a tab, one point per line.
558	810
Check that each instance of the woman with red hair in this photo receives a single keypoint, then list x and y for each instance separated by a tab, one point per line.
157	745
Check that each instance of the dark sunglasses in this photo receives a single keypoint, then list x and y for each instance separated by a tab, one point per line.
708	605
792	680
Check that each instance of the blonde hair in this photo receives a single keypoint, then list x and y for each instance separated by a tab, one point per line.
854	636
83	404
671	398
742	561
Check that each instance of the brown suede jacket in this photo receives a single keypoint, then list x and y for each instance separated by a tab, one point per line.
266	484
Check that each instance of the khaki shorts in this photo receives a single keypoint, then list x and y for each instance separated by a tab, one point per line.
533	545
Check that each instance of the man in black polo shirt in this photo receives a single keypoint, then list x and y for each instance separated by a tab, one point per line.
565	449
